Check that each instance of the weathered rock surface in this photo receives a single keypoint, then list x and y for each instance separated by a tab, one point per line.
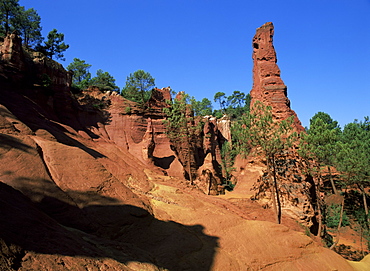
297	191
268	87
76	194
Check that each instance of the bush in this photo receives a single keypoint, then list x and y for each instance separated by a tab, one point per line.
333	216
128	110
45	80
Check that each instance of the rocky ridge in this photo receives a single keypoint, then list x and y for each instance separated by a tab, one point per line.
83	189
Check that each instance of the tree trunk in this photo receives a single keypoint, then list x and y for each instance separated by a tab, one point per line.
320	220
332	182
365	204
189	155
339	226
318	203
274	190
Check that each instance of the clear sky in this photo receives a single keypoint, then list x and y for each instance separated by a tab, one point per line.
205	46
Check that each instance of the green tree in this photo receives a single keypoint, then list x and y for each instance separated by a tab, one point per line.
237	104
180	129
201	108
81	75
8	13
138	87
325	117
104	81
27	22
237	99
234	106
257	133
220	97
318	147
353	157
228	154
320	143
54	45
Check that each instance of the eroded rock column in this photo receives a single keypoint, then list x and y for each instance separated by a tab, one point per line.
268	87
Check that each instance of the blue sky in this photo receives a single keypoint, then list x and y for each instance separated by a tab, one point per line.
204	46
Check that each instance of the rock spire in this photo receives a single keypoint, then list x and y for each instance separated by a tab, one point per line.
268	87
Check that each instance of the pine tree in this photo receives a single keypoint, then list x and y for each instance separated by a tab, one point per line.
27	22
220	97
54	45
257	133
201	108
104	81
353	157
320	143
8	12
81	75
138	87
180	129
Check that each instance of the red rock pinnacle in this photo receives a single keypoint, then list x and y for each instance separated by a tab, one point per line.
268	87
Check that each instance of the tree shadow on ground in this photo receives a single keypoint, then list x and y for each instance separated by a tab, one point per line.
37	117
108	229
8	142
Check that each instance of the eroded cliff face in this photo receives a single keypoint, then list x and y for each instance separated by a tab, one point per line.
268	87
78	190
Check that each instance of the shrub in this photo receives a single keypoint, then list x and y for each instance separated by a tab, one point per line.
333	216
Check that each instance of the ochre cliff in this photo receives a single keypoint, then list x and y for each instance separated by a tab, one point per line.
268	87
80	189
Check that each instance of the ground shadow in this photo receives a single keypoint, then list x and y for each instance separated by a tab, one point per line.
7	142
124	233
37	115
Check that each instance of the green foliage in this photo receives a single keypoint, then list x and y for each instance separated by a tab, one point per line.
228	155
45	80
128	110
81	75
331	124
104	81
320	143
177	124
217	114
333	216
27	23
353	156
220	97
257	133
321	140
181	130
8	16
234	105
138	87
201	108
54	45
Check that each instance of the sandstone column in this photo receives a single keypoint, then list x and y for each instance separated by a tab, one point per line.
268	87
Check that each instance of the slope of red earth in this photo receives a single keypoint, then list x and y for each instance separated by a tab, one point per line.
80	190
74	202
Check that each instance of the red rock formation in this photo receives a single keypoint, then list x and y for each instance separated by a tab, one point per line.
148	141
84	203
208	178
159	98
11	51
268	87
